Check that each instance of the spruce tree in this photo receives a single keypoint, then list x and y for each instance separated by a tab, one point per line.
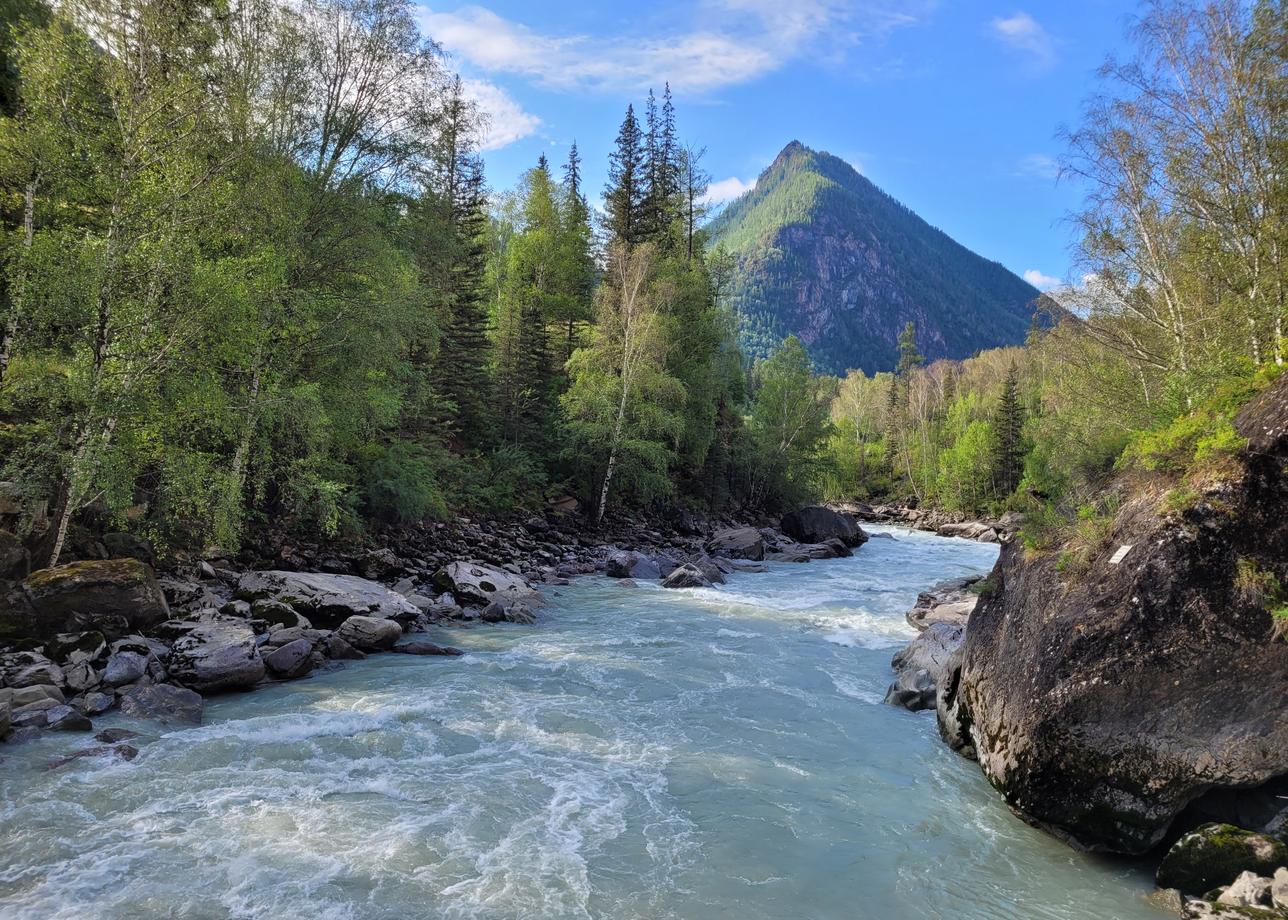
1008	436
909	357
624	194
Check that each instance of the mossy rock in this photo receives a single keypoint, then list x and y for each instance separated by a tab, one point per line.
112	596
1213	855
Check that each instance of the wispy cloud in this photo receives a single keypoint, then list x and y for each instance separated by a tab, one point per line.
507	122
1040	281
1022	33
1039	165
726	190
729	43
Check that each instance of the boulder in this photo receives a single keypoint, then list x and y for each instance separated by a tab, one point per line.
6	717
81	677
65	718
165	703
473	584
913	689
73	648
1278	887
626	564
1248	890
370	634
692	575
121	751
277	614
339	650
1102	704
95	703
815	524
29	669
124	668
292	660
326	600
217	655
1215	855
738	543
425	647
24	696
111	596
923	665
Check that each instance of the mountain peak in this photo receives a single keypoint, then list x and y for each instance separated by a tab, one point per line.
825	255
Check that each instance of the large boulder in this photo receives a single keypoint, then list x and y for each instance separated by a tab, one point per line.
816	524
111	596
922	666
700	574
292	660
215	656
1102	704
165	703
370	634
1215	855
477	585
738	543
628	564
326	600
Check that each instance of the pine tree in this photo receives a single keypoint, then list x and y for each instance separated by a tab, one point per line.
1008	435
909	357
577	262
624	194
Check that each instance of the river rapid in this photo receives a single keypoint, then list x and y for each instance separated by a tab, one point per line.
641	753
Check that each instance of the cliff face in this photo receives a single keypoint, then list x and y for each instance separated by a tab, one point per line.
1102	705
824	254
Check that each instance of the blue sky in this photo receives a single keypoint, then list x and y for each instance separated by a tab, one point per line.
952	107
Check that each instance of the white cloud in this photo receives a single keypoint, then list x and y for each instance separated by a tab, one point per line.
726	190
736	41
1025	34
1040	281
507	122
1040	166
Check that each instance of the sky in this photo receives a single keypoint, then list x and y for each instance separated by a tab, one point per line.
954	108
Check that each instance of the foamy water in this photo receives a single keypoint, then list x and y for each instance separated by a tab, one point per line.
640	754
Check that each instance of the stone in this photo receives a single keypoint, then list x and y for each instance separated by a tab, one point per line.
738	543
81	677
111	596
24	696
473	584
689	575
325	600
339	650
95	703
165	703
278	615
493	613
914	690
67	719
124	668
217	655
279	637
425	647
121	751
1216	854
33	715
815	524
1248	890
114	735
291	661
28	669
370	634
626	564
1279	888
72	648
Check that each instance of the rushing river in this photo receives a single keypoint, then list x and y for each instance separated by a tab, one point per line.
642	753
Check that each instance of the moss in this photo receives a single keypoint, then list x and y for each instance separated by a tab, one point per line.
90	570
1215	854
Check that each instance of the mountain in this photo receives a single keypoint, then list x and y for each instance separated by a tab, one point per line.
824	254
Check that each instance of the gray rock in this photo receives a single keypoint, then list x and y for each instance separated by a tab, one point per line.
688	575
738	543
326	600
1248	890
493	613
914	690
1279	888
73	648
33	715
6	718
165	703
627	564
28	669
292	660
370	634
94	703
279	637
82	676
278	615
124	668
110	596
120	751
115	735
479	585
24	696
815	524
67	719
217	655
1216	854
339	650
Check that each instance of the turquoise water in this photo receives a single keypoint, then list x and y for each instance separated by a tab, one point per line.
642	753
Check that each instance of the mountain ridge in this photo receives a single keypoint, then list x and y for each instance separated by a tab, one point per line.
822	253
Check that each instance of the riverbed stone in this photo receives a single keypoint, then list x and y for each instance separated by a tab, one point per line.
119	751
95	702
425	647
688	575
1248	890
110	596
66	718
124	668
738	543
475	584
629	564
29	669
72	648
815	524
1215	854
217	655
370	634
165	703
337	649
292	660
323	599
81	677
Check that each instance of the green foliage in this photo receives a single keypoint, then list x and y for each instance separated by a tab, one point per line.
399	482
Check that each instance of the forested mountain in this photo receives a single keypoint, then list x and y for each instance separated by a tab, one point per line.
823	254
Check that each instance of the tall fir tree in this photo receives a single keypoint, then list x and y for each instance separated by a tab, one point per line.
1008	436
627	183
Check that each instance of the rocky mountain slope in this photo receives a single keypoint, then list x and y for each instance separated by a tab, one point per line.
824	254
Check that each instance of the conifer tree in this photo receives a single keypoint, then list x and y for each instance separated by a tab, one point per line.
1008	435
624	194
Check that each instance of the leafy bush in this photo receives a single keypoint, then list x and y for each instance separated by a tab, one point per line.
400	483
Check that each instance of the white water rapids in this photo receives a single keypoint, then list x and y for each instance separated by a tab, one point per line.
641	753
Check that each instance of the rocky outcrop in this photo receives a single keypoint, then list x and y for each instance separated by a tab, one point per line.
326	600
1102	704
474	584
928	661
817	524
112	596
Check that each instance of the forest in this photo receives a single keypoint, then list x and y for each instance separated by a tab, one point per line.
254	275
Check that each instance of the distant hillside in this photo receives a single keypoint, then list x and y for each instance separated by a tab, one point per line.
824	254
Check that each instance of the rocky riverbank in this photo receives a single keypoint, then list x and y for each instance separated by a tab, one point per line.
84	638
1137	702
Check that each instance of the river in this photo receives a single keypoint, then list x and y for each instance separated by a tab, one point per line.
641	753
